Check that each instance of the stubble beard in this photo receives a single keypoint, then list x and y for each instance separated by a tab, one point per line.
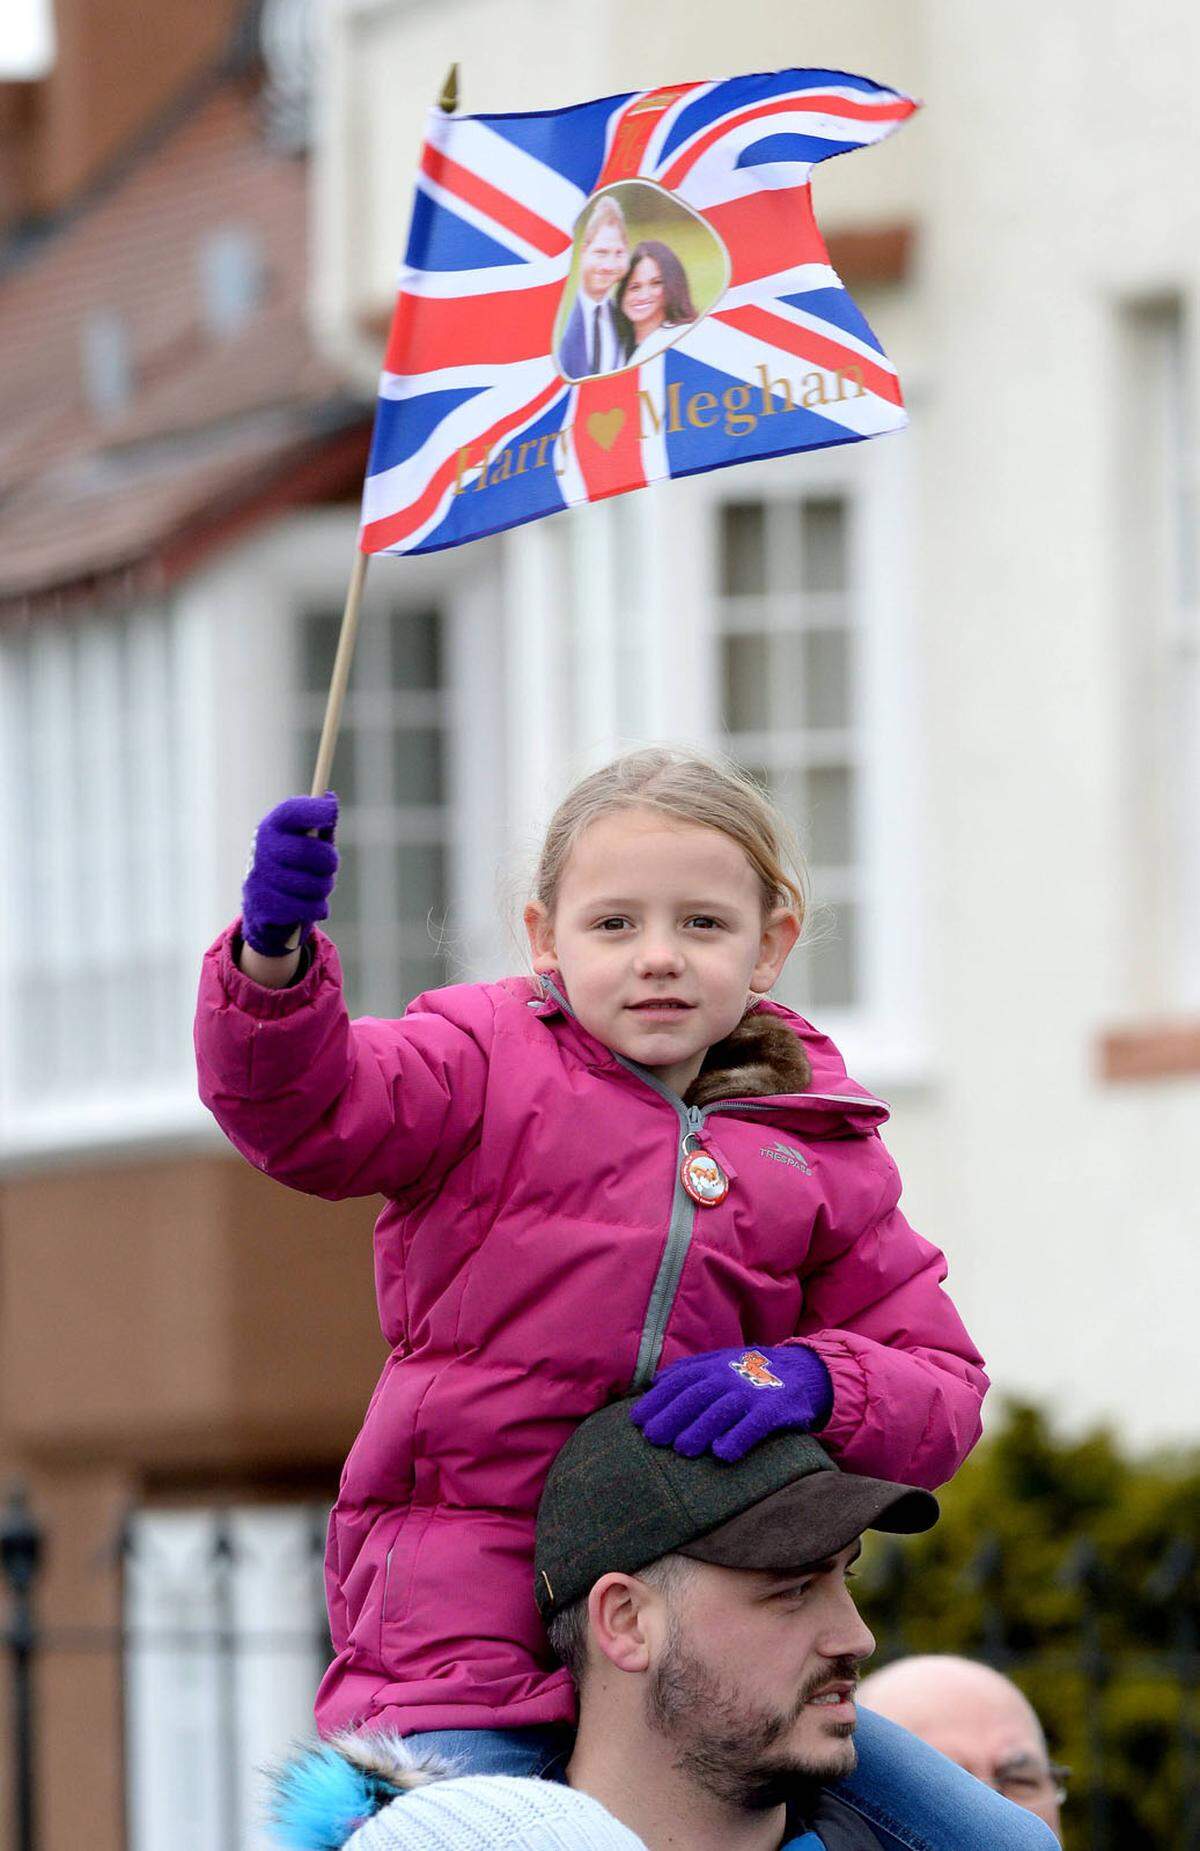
725	1746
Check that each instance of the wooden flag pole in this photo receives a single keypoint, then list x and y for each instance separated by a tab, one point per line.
348	635
335	699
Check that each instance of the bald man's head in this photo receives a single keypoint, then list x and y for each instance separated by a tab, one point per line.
977	1718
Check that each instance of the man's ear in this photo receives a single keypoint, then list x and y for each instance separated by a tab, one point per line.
617	1608
779	935
540	927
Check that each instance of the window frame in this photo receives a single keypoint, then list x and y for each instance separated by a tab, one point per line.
105	655
885	1037
1154	1033
306	561
379	937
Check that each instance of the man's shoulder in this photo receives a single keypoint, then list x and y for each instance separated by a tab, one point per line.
833	1827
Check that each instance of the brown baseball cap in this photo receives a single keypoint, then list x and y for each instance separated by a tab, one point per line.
615	1501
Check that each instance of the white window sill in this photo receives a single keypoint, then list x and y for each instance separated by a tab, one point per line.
92	1126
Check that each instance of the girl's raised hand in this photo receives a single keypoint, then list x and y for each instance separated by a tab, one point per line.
727	1401
291	874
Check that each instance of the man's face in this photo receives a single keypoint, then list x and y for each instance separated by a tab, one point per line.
1010	1759
604	261
975	1716
754	1681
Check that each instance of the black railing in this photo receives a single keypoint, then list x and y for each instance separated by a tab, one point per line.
222	1640
20	1558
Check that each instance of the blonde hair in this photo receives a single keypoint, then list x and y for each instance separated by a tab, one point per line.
606	210
685	788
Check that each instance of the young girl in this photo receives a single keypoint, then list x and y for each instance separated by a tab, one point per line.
631	1160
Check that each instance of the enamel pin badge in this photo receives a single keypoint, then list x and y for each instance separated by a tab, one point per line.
703	1178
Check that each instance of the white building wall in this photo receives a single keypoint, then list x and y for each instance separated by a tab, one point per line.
1062	145
1051	177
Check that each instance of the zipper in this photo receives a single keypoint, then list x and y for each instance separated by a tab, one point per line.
683	1216
683	1209
678	1242
679	1228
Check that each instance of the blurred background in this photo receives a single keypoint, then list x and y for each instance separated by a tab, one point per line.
967	658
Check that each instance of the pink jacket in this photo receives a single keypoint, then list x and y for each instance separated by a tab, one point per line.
537	1257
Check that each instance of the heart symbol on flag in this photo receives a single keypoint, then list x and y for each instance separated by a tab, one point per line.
604	427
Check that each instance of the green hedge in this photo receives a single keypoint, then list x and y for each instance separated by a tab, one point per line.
1073	1567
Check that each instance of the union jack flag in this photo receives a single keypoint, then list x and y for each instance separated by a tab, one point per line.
480	426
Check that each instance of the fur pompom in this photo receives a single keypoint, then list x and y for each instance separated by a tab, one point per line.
388	1759
323	1794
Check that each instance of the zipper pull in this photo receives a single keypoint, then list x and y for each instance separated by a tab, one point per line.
698	1131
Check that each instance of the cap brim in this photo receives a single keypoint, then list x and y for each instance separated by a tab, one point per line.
812	1518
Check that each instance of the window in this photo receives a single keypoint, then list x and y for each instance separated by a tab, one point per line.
815	691
225	1642
98	972
792	712
389	770
1159	553
140	749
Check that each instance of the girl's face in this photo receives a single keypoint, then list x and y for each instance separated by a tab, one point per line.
644	298
659	935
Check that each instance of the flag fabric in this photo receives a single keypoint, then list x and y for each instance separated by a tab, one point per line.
501	400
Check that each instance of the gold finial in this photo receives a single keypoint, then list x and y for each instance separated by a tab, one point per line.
448	100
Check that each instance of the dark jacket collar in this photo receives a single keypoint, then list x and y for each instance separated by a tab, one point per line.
837	1827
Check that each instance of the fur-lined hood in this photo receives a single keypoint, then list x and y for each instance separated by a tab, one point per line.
761	1058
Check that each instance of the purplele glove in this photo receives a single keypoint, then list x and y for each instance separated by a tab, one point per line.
729	1400
291	873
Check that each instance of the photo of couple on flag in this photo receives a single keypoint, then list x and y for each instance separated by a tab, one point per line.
636	292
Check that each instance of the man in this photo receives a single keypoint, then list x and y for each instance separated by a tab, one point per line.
704	1611
976	1717
591	342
